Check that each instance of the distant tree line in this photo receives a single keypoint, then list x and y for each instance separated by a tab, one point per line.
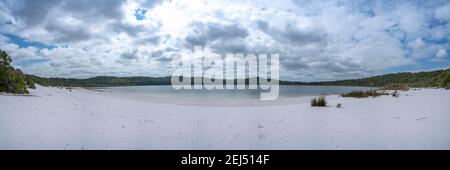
439	78
101	81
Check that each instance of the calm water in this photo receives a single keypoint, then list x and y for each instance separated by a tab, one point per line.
285	91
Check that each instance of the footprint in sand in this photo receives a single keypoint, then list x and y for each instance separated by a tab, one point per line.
260	125
149	121
261	136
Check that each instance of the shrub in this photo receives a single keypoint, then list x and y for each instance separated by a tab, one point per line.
30	83
363	94
319	102
403	87
313	102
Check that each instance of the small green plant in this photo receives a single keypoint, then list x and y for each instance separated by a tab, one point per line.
30	83
319	102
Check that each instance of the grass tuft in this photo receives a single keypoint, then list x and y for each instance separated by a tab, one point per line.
319	102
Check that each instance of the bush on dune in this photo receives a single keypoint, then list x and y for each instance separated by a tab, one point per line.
30	83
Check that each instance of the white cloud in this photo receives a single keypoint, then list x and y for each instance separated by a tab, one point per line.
417	44
443	12
316	41
441	54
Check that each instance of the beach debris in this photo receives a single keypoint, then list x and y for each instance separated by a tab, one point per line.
278	121
395	94
422	118
261	136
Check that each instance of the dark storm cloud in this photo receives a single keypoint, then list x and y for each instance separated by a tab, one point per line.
289	33
292	64
230	46
130	30
129	55
163	56
49	15
204	33
33	12
262	25
151	3
98	8
64	34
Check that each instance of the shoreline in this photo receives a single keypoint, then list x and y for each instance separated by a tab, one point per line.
215	101
207	102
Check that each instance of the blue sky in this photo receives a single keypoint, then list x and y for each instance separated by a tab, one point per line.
140	13
24	43
317	41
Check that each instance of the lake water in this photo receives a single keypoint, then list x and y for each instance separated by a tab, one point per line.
285	91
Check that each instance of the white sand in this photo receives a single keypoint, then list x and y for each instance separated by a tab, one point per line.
82	119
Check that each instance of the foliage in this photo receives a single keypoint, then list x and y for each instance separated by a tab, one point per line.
363	94
11	80
438	78
319	102
403	87
30	83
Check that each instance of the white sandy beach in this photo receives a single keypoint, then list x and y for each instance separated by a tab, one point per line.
55	118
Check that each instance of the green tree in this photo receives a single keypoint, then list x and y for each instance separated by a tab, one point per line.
5	60
11	80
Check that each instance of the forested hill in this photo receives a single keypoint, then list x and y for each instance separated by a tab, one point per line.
101	81
439	78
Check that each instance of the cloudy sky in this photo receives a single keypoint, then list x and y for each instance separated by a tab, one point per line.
317	41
